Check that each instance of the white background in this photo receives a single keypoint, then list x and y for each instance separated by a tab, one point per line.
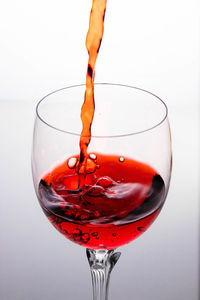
149	44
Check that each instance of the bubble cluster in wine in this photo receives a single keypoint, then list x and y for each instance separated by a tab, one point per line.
107	211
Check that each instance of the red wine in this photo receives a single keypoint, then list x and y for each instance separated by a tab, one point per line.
118	202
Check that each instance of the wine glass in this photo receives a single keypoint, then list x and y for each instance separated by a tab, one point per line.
127	175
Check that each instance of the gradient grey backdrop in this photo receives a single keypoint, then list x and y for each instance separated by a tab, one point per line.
41	49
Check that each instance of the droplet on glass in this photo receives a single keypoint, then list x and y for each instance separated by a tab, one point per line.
72	162
93	156
121	159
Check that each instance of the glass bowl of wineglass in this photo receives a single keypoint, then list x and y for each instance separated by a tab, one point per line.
127	172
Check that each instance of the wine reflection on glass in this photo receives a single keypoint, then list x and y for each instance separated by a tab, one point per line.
127	174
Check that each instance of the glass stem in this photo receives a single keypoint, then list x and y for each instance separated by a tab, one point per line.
101	264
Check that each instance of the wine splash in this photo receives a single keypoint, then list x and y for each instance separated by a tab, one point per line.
118	202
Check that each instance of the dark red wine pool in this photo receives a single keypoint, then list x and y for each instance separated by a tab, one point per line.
119	200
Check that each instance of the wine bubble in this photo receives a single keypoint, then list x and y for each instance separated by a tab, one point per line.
76	232
141	229
121	159
96	213
104	181
72	162
85	237
93	156
76	235
96	191
94	234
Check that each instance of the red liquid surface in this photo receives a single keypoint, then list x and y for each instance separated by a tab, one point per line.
119	200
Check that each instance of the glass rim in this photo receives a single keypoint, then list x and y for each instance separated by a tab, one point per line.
103	136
